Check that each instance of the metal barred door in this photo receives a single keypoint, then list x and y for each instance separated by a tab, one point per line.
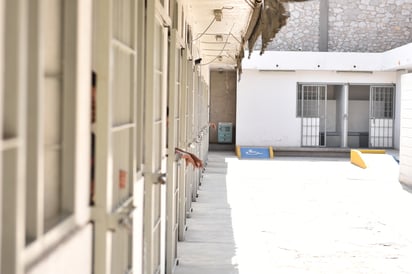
115	62
155	137
184	87
381	116
313	113
173	164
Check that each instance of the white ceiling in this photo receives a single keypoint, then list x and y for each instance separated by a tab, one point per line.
233	25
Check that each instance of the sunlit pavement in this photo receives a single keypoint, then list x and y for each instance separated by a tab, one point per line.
299	215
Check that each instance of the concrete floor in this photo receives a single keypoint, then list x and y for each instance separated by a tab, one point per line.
298	215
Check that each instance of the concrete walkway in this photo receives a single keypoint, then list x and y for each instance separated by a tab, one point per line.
298	215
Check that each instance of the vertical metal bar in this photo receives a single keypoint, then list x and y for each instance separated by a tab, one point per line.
140	82
14	128
35	127
318	114
149	237
76	71
385	117
371	131
188	139
182	143
302	134
138	201
171	172
375	116
302	116
104	116
2	61
325	113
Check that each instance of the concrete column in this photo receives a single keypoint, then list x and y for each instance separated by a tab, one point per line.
345	105
323	25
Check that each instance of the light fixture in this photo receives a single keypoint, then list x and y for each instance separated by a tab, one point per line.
218	14
220	57
219	37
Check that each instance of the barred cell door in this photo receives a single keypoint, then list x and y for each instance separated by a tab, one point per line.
313	115
155	151
173	165
117	174
381	116
183	114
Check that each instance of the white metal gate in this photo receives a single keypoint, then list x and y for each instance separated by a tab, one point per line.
381	116
155	136
189	173
172	186
313	115
183	114
115	62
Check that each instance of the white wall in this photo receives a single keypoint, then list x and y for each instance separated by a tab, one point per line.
398	102
405	153
395	59
331	116
358	118
266	109
266	102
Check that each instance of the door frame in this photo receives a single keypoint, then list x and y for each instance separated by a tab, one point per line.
386	126
313	120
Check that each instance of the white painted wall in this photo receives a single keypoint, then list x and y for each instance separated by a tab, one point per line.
266	102
392	60
331	116
266	109
358	120
398	96
405	153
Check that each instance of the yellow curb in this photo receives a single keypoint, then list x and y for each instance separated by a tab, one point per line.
271	152
238	151
356	158
373	151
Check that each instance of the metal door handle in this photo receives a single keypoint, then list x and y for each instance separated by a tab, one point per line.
126	223
161	179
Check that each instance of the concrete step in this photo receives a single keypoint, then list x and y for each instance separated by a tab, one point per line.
311	152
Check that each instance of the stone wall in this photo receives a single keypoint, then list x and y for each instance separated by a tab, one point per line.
369	25
353	26
302	29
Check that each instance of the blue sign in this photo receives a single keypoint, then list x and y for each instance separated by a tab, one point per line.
255	152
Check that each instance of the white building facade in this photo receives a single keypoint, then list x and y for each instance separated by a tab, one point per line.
348	100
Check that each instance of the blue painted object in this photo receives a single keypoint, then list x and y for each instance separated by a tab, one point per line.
255	152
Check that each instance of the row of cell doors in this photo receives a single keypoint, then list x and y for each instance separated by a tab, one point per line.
139	189
313	107
137	55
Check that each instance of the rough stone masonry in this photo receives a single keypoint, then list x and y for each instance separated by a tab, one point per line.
352	26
